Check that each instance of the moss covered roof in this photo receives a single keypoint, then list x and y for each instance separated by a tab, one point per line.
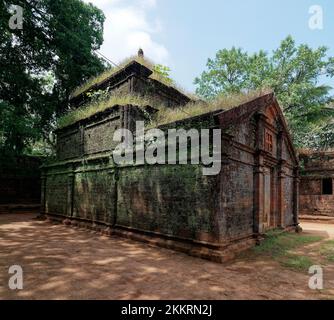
109	73
100	105
164	115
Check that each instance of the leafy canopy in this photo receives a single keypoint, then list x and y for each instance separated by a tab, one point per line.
293	72
42	63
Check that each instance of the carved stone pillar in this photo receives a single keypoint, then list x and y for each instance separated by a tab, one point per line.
70	193
281	179
280	195
296	182
259	171
220	216
259	195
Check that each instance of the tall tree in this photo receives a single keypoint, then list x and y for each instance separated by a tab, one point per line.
42	63
293	72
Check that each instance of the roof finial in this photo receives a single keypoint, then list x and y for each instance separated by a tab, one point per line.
141	53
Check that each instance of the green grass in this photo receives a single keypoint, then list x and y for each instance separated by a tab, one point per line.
278	242
164	115
100	105
192	109
278	246
108	73
296	262
327	250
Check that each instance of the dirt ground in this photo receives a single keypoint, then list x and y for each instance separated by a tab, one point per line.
61	262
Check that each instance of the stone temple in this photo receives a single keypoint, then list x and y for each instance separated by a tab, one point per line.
175	206
317	183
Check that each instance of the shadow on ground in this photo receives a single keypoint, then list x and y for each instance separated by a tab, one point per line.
61	262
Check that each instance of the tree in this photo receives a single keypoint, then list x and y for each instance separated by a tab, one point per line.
163	72
292	72
42	63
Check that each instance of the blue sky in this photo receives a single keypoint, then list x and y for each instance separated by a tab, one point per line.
185	33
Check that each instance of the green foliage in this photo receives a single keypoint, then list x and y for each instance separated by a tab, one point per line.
42	63
159	73
192	109
96	80
102	100
278	246
99	104
296	262
162	73
278	243
327	250
292	72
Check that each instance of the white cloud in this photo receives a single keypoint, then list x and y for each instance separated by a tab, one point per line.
128	28
148	3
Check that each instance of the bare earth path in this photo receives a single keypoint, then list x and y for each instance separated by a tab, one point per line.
60	262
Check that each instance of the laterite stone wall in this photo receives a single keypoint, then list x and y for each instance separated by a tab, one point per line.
255	191
94	197
317	166
174	200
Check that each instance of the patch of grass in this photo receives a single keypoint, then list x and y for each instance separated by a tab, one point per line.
296	262
108	73
327	250
279	243
278	246
100	105
164	115
192	109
